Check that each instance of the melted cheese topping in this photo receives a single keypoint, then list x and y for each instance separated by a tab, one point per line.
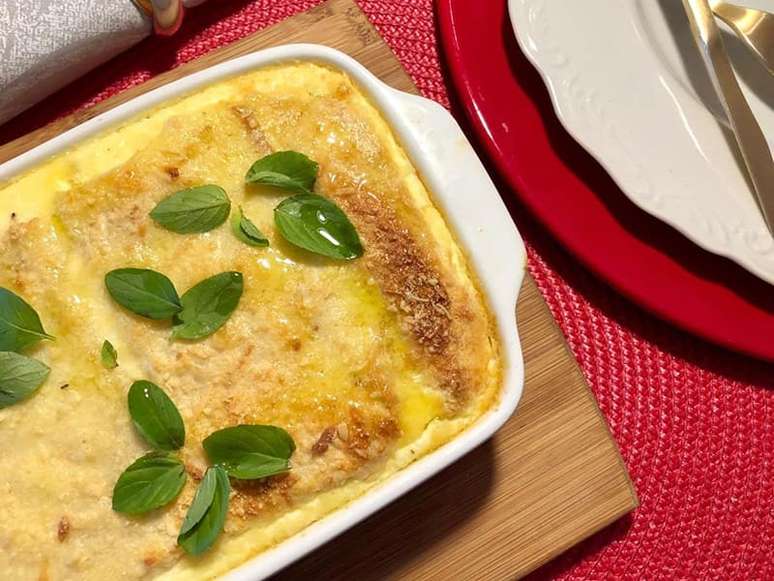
390	356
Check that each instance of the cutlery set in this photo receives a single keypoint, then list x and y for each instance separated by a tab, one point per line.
756	29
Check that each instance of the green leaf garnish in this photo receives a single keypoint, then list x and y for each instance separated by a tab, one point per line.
193	210
246	231
207	513
201	502
20	376
108	355
251	451
145	292
288	170
208	305
150	482
155	416
318	225
20	325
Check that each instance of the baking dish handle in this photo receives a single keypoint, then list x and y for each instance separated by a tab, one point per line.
470	202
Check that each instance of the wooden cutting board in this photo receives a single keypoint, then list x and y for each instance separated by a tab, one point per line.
551	476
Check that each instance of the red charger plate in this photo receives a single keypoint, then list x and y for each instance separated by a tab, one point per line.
646	260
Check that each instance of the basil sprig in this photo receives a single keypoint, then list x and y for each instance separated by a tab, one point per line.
150	482
145	292
250	451
20	325
108	355
155	479
20	377
193	210
307	220
289	170
316	224
245	452
208	305
155	416
207	513
247	232
201	311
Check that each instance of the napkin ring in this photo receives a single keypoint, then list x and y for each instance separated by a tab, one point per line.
167	15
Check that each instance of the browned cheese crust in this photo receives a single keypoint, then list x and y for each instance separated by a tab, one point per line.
447	321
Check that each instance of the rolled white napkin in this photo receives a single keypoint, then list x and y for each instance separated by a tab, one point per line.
45	44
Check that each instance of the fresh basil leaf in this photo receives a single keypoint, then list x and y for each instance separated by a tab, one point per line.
20	325
150	482
145	292
250	451
155	416
109	355
207	513
208	305
246	231
318	225
201	502
193	210
288	170
20	376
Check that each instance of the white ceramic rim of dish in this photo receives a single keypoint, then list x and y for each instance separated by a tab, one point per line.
594	114
451	170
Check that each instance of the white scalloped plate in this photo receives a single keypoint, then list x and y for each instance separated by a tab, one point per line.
628	84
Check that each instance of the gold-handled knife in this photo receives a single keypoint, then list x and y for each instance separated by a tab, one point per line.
749	137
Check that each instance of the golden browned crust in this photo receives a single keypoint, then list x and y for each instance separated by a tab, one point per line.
405	268
252	497
63	529
416	290
404	273
252	127
325	439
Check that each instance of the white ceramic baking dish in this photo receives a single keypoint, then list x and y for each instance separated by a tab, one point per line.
462	190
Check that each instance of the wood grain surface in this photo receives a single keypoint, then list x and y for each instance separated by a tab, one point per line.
550	477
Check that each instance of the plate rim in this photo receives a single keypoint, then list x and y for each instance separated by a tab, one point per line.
756	321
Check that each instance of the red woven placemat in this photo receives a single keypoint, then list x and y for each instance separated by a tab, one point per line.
694	423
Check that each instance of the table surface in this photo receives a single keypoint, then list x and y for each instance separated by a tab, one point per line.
695	424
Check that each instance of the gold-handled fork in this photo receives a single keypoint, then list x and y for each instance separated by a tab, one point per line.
747	133
754	27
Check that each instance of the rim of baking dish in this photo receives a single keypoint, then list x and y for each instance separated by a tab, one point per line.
450	168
